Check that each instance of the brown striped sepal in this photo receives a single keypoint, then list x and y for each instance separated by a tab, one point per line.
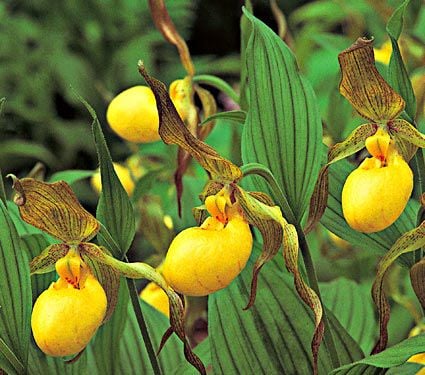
54	209
363	86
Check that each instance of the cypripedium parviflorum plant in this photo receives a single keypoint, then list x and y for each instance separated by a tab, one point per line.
371	201
70	300
210	256
66	316
376	193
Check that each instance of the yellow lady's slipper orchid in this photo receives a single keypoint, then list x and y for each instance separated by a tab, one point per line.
202	260
418	358
156	297
179	94
133	115
66	315
124	175
376	193
383	54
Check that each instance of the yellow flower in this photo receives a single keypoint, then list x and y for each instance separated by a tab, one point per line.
156	297
376	193
123	174
66	315
383	54
202	260
132	114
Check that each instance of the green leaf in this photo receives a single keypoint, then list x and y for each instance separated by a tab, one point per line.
407	368
118	349
398	76
39	363
246	29
70	176
258	210
352	305
379	242
408	242
21	226
235	116
169	357
394	356
283	120
15	298
2	190
114	210
107	342
218	83
204	353
8	360
274	336
15	148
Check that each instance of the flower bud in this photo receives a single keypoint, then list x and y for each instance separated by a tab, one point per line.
133	115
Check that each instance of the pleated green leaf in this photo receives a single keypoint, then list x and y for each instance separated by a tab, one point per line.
246	30
283	128
15	297
397	72
394	356
134	358
118	347
379	242
39	363
114	210
274	335
107	342
204	352
352	305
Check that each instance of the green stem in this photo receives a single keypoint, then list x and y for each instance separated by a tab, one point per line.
218	83
134	296
312	279
261	170
11	357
